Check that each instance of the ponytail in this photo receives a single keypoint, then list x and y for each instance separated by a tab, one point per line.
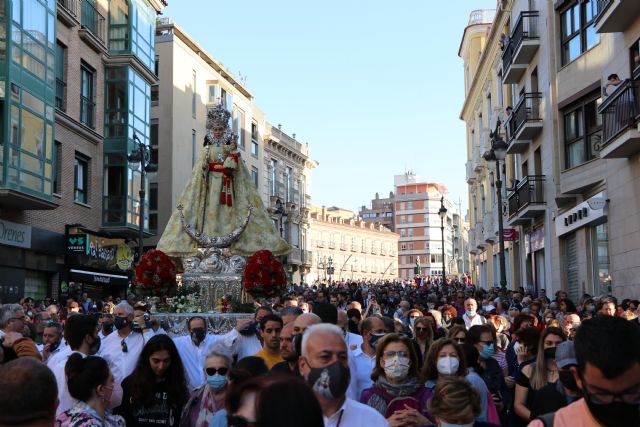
84	375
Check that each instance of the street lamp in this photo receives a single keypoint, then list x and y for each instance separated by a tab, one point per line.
141	156
282	213
498	153
443	214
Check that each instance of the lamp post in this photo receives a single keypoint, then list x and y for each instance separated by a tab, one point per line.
498	153
141	155
282	213
443	214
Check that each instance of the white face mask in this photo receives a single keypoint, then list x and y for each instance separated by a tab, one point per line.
448	365
397	367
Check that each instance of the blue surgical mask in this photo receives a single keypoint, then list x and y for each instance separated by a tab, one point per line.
217	381
470	313
487	351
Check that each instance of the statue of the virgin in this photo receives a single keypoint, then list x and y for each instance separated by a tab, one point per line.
218	197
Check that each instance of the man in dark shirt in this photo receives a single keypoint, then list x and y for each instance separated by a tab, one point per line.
287	351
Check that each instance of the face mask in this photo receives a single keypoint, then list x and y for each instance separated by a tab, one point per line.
116	396
107	328
412	321
550	353
330	382
120	322
448	365
373	340
487	351
567	380
95	346
53	346
613	414
397	367
198	335
217	381
444	424
470	313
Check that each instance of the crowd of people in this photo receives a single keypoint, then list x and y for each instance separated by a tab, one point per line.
344	354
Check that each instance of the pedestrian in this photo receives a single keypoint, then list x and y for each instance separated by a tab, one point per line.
91	384
12	342
456	403
364	357
290	363
422	337
52	342
270	328
156	391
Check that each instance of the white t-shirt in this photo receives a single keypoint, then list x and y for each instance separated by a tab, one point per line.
352	413
364	366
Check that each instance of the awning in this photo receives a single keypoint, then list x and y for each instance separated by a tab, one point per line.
99	278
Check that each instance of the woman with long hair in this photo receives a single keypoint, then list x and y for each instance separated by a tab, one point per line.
422	338
456	402
90	382
396	383
458	334
156	390
483	337
539	373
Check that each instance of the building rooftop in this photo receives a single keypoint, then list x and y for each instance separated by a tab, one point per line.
482	16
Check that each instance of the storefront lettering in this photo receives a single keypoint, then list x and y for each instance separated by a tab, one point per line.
15	234
101	252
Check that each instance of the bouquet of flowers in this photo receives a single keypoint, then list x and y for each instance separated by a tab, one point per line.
155	275
189	303
264	275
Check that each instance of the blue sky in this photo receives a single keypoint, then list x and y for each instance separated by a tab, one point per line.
375	87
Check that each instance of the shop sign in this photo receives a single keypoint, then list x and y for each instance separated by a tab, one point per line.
98	252
510	234
13	234
587	212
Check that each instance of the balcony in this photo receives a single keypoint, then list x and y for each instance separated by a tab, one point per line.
354	248
294	257
471	174
476	159
68	12
61	88
615	16
320	243
479	237
524	123
343	246
374	251
487	228
472	241
392	253
521	47
383	252
332	245
93	29
620	121
527	200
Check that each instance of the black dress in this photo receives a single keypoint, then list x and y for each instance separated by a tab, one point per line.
159	410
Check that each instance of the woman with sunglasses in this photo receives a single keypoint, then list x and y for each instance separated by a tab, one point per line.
422	338
397	392
209	398
156	391
457	334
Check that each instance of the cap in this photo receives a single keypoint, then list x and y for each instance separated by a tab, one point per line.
565	354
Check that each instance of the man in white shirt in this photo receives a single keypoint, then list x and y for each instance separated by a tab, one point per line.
353	340
80	334
471	316
324	366
364	356
122	348
52	342
246	336
194	347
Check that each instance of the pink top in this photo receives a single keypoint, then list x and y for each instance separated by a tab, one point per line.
575	415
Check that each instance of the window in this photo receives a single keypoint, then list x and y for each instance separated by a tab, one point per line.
194	148
254	176
155	93
212	94
582	131
600	253
80	178
156	66
239	126
153	207
273	177
57	164
153	141
403	232
193	96
254	131
409	205
61	84
410	232
87	106
578	29
254	148
402	219
289	184
409	219
410	246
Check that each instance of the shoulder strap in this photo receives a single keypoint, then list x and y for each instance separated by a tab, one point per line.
547	419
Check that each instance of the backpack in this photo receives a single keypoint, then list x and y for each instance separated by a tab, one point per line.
397	403
547	419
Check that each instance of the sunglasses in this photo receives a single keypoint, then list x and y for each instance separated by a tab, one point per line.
124	347
238	421
419	329
459	340
213	371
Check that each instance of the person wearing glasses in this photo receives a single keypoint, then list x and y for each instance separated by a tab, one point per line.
12	342
156	391
122	349
397	392
458	334
209	398
483	338
422	337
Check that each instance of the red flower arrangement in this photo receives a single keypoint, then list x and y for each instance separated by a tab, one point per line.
264	275
155	274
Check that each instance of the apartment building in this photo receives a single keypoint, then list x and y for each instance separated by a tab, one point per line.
344	247
381	211
569	175
417	221
67	70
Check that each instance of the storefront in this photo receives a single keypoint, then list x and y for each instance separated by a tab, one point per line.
28	261
98	265
584	237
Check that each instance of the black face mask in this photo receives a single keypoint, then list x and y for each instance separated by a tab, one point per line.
373	340
198	335
330	382
252	329
95	346
107	328
567	380
550	353
120	322
53	346
613	414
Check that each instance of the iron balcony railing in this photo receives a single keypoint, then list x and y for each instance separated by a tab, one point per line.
526	28
620	110
530	191
60	93
87	111
93	20
526	110
70	5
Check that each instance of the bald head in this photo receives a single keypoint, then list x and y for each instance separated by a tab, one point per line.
303	321
342	319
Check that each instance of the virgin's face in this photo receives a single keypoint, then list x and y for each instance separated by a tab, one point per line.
217	132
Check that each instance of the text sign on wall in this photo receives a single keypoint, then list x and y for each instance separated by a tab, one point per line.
13	234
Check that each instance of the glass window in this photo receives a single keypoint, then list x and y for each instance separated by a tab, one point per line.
600	253
57	164
254	148
143	23
119	26
239	126
273	177
212	94
80	178
114	189
582	131
193	95
254	131
87	106
578	32
60	77
254	176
